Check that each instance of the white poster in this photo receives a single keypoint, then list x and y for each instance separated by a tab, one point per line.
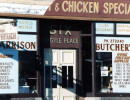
120	49
123	29
24	25
9	72
104	71
121	72
104	28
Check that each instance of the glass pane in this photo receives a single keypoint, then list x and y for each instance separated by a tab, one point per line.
54	77
104	71
47	76
112	64
70	76
27	72
64	76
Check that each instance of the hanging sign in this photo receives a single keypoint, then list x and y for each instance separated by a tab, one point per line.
8	32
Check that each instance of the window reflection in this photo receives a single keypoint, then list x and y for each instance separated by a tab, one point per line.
104	72
27	72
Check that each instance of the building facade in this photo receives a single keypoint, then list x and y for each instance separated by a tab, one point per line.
71	50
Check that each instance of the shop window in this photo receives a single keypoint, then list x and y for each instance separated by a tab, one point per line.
18	56
27	72
112	64
104	71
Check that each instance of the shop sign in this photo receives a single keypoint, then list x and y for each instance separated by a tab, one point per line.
8	32
25	42
22	9
8	71
26	25
63	36
112	44
123	29
120	49
91	8
104	28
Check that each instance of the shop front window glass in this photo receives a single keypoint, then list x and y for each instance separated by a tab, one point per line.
104	71
27	72
112	64
18	56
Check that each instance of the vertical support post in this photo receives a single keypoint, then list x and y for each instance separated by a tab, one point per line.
93	60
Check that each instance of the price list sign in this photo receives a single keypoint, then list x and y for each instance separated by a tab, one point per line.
8	72
121	72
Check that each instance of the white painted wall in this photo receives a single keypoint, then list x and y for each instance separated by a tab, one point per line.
29	2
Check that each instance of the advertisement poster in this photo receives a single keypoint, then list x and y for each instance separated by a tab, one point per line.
123	29
26	25
119	47
121	72
8	71
104	71
104	28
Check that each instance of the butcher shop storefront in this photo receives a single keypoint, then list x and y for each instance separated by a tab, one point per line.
73	50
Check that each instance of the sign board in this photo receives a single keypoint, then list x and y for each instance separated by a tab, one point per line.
120	49
123	29
104	28
8	71
90	8
112	44
63	36
8	32
26	25
25	43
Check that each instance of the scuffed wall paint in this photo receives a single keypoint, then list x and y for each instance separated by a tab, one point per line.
34	7
29	2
